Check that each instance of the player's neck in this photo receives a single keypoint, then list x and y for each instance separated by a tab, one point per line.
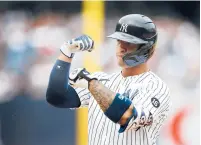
132	71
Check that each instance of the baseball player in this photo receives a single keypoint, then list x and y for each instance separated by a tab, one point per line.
124	108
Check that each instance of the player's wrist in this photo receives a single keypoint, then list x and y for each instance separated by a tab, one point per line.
65	50
64	58
92	82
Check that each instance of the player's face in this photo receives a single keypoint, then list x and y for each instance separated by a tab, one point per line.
122	49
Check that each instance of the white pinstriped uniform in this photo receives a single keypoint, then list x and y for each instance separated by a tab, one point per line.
140	89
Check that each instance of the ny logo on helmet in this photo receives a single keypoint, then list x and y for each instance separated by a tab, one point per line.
124	27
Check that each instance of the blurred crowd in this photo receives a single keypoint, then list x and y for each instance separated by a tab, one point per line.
29	46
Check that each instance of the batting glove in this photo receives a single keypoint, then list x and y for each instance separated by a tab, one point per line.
80	78
81	43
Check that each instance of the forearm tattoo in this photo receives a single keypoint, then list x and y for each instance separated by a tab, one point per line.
101	94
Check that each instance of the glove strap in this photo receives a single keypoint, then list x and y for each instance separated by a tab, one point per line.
66	52
86	75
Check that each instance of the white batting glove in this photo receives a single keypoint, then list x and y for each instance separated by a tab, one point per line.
81	43
80	78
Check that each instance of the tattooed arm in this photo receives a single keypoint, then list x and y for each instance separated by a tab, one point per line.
101	94
105	97
117	107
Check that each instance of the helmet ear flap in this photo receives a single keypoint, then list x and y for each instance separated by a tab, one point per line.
146	50
151	50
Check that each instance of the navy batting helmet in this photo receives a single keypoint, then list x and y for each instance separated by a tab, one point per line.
137	29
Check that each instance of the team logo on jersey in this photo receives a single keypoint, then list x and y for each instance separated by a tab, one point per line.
150	119
155	102
142	118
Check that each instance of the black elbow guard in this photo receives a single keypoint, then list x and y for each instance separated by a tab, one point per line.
59	93
67	99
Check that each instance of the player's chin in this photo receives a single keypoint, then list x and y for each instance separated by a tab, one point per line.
121	63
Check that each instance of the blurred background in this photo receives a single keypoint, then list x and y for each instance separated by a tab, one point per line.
31	34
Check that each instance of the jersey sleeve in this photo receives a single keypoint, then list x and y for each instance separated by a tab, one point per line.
84	94
152	104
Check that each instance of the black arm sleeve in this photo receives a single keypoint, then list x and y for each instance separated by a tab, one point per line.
59	93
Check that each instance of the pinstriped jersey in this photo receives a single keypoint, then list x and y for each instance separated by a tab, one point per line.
146	90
